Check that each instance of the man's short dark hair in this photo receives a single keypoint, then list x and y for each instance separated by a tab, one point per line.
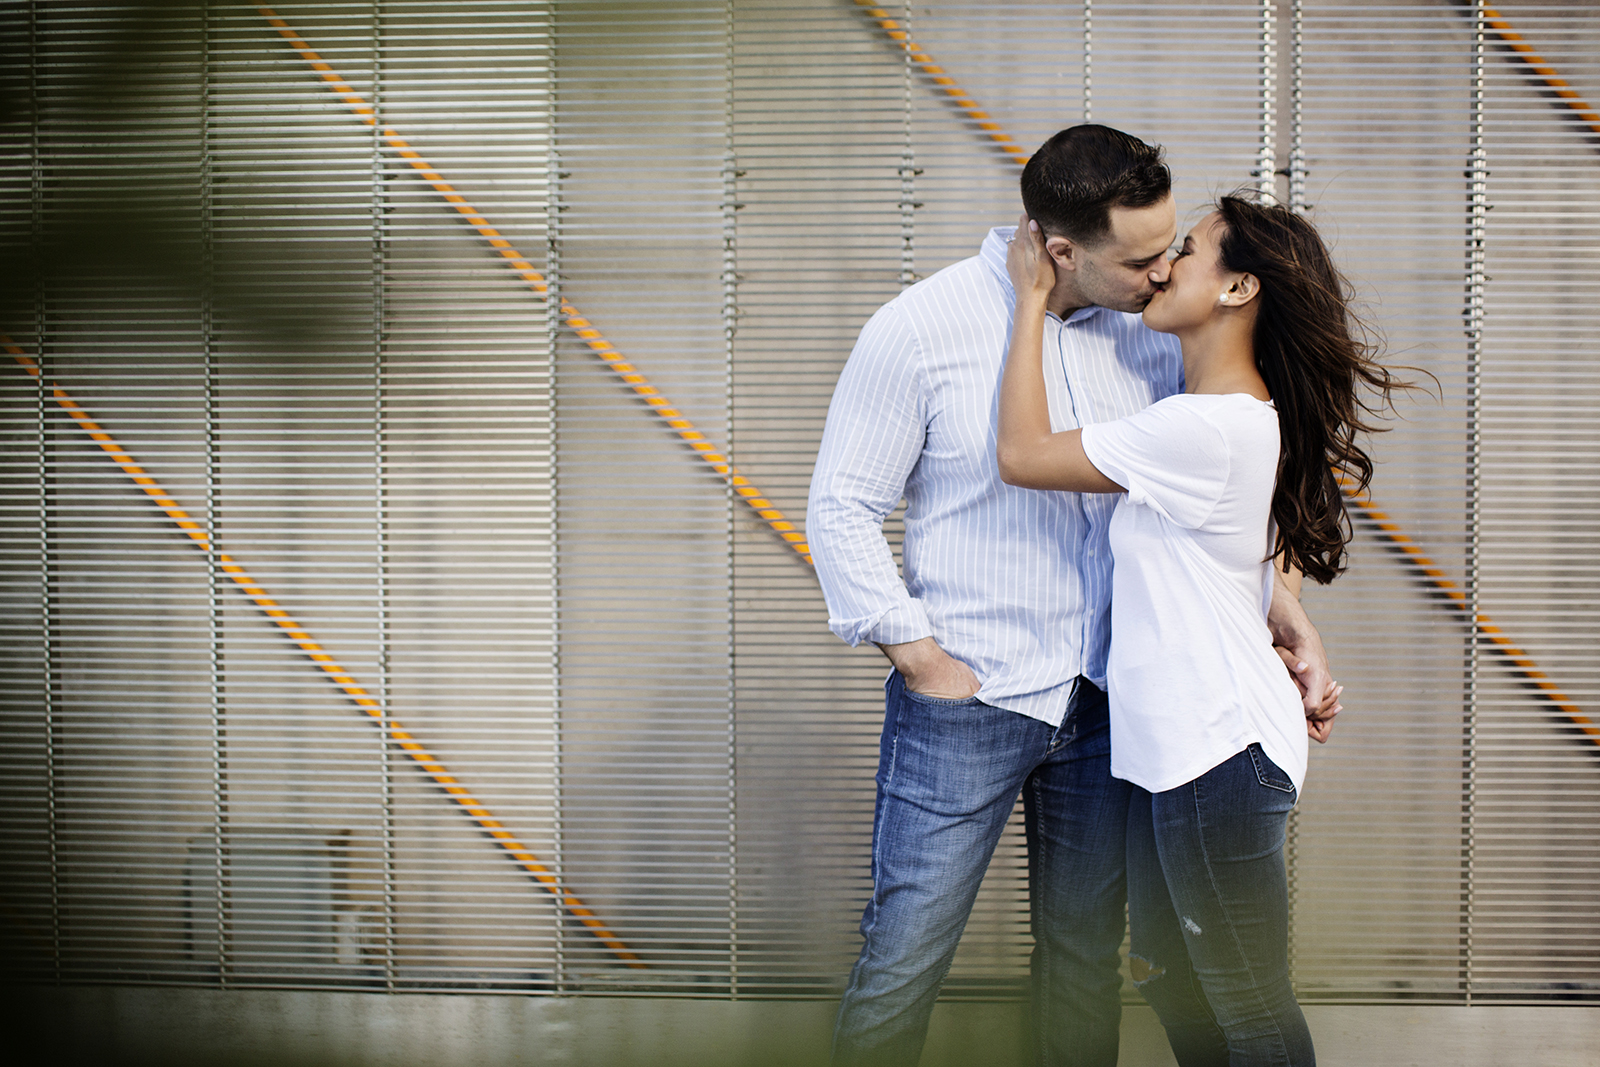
1076	177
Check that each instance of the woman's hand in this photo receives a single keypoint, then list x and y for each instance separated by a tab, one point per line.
1032	271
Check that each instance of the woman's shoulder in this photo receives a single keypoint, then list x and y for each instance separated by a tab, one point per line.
1227	411
1210	402
1218	408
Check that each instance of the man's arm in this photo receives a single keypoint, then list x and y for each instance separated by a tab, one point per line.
1300	647
931	671
874	436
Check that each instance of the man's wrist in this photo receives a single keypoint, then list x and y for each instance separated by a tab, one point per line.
912	657
905	623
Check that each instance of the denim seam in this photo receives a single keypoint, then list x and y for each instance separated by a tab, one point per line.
1067	729
1233	935
1063	736
877	828
1040	937
1261	772
877	839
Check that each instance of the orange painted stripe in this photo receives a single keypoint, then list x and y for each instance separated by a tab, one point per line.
1541	70
936	74
518	263
1418	562
1520	663
335	674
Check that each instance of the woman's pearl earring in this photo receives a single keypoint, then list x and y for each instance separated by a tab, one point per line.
1223	299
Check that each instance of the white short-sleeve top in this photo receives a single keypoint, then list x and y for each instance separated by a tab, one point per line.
1193	678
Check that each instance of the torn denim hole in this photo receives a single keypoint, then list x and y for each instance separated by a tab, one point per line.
1143	970
1191	926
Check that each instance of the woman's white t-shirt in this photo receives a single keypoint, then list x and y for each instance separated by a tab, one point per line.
1193	678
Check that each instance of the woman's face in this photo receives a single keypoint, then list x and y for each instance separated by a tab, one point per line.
1192	292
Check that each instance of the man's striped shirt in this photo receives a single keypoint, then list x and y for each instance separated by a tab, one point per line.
1015	583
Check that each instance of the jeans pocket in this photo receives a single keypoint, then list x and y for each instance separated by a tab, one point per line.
1268	773
940	702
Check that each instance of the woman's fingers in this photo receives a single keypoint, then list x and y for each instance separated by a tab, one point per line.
1028	261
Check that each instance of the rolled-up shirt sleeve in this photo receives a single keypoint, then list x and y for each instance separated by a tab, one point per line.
873	438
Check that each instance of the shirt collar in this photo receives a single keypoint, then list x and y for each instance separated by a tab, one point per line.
993	255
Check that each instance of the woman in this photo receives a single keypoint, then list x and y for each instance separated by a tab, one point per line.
1220	480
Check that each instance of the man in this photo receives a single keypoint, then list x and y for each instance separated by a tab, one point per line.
999	631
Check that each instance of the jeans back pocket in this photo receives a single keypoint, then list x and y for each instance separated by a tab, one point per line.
1268	773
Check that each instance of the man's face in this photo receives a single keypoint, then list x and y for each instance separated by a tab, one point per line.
1123	270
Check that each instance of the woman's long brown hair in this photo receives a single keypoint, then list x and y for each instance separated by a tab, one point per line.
1312	352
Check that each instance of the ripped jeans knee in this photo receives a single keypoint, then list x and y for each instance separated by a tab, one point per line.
1143	970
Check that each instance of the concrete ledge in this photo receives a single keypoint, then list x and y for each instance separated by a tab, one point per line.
114	1026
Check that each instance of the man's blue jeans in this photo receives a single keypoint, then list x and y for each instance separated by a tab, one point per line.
948	775
1209	906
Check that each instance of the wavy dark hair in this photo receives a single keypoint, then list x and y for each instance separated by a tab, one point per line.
1318	360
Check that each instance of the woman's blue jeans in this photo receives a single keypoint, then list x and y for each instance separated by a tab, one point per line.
949	772
1208	904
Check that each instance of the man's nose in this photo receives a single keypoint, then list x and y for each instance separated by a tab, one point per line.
1161	271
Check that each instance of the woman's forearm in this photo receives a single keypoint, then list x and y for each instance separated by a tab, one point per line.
1024	408
1030	455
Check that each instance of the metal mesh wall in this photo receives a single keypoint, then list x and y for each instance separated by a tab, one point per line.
407	433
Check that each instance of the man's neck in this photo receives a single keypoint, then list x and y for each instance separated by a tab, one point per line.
1064	300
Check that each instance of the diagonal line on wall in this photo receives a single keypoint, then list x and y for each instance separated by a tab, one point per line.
941	82
335	674
1454	599
1416	561
626	373
1544	77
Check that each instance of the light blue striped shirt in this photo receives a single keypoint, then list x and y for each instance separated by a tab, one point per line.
1013	582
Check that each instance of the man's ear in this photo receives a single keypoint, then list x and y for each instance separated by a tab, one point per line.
1243	290
1063	251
